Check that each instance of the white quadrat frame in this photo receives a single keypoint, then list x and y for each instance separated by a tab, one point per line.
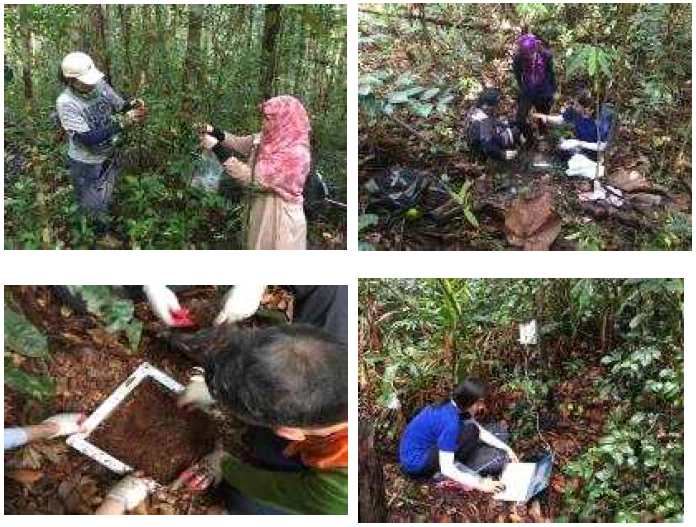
80	441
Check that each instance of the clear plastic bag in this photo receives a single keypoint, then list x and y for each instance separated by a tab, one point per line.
207	172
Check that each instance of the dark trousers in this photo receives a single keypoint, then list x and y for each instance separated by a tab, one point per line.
525	103
483	459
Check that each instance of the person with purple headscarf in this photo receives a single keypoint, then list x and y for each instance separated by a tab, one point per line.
533	69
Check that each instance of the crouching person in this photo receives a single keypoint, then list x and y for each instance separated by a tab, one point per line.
488	135
294	381
444	439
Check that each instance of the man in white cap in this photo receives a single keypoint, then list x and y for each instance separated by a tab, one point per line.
92	113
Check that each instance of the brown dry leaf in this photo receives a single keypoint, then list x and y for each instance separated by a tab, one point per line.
25	477
164	508
558	483
443	519
516	518
531	223
31	457
628	180
535	511
501	519
141	509
54	451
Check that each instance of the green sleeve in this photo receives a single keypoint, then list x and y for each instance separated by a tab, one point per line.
308	492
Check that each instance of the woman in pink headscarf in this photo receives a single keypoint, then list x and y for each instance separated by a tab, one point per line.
276	163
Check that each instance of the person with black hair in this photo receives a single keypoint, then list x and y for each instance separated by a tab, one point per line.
446	438
292	380
591	132
92	114
486	133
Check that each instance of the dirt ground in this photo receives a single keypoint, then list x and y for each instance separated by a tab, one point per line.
87	364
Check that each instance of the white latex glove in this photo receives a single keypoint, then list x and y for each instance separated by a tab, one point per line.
67	424
240	302
208	142
162	301
207	472
131	490
510	154
569	144
491	485
513	457
196	393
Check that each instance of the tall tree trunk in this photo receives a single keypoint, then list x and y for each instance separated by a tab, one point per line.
124	12
372	500
146	51
271	26
192	60
100	47
26	32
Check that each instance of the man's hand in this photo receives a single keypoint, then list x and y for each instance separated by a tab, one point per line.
166	306
131	490
66	424
510	155
203	128
208	142
207	472
512	456
538	116
240	302
492	486
196	393
569	144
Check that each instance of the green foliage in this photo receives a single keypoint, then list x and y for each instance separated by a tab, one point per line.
22	337
433	333
116	313
366	221
463	199
37	386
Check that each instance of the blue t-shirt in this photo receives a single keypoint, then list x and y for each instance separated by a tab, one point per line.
585	130
434	426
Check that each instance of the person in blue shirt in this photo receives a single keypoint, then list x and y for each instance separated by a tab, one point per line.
591	134
532	66
445	438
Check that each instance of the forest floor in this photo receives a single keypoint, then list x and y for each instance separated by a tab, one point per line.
656	213
87	364
572	426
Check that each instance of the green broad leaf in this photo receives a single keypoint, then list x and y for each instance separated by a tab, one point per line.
423	110
429	94
365	246
471	218
403	96
22	337
367	220
134	332
37	386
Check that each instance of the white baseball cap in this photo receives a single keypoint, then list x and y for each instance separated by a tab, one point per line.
80	66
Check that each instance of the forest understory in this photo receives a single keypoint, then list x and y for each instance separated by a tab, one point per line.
189	65
602	391
420	70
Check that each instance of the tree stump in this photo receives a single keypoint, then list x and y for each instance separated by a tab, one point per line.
372	500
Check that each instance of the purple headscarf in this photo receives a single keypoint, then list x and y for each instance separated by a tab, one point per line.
532	52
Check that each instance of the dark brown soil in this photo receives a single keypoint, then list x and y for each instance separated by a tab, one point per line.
148	432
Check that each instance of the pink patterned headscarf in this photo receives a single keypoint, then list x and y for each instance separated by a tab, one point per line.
284	155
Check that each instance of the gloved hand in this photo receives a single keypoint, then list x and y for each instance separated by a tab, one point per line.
492	486
166	306
196	393
208	142
137	103
203	128
240	302
131	490
512	456
207	472
569	144
510	154
67	424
